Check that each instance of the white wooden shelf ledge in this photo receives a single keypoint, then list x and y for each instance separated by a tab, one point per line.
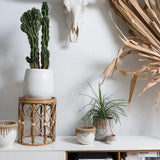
122	143
63	145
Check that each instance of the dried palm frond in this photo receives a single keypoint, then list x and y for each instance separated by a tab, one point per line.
144	40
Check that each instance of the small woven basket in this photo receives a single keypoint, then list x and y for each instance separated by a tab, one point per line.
7	126
8	133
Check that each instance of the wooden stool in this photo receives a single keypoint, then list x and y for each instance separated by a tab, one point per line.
37	121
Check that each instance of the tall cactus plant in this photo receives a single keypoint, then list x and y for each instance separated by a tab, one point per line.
31	23
32	20
45	36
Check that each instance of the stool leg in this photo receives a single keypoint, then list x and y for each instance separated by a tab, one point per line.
41	120
54	120
45	124
19	123
22	123
33	123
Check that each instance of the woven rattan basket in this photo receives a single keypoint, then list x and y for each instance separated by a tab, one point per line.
37	121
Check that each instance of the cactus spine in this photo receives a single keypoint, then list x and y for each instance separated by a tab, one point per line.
45	36
31	23
32	20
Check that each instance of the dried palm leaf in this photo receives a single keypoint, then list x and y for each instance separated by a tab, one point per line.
144	40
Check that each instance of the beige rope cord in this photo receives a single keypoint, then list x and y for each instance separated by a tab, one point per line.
85	129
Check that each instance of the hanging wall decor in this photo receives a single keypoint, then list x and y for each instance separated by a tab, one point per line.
74	10
143	21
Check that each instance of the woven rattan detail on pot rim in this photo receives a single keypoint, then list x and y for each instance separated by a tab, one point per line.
102	123
85	129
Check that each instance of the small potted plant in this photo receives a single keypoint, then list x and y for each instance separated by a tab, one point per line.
85	134
103	111
8	133
38	80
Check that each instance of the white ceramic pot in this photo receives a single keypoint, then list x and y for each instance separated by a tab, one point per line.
85	134
8	133
38	84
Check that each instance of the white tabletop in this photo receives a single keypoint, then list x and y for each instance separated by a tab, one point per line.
122	143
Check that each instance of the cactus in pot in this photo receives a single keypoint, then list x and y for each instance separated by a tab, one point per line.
38	81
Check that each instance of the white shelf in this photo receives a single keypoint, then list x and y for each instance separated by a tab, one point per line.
122	143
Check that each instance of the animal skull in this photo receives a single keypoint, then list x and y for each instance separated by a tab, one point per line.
74	10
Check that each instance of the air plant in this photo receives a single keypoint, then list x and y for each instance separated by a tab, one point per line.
104	107
143	23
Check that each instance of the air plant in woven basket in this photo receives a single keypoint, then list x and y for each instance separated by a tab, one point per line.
143	22
102	106
102	111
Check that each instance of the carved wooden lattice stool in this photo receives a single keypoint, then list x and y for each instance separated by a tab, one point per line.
37	121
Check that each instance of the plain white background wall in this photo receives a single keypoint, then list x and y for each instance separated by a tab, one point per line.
74	65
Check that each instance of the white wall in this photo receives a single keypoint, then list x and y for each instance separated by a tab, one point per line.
74	65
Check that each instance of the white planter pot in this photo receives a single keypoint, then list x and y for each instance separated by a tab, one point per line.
38	84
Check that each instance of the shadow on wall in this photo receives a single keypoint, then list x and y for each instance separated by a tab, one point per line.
10	88
9	95
104	8
58	15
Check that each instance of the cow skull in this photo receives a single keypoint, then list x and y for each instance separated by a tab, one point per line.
74	10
